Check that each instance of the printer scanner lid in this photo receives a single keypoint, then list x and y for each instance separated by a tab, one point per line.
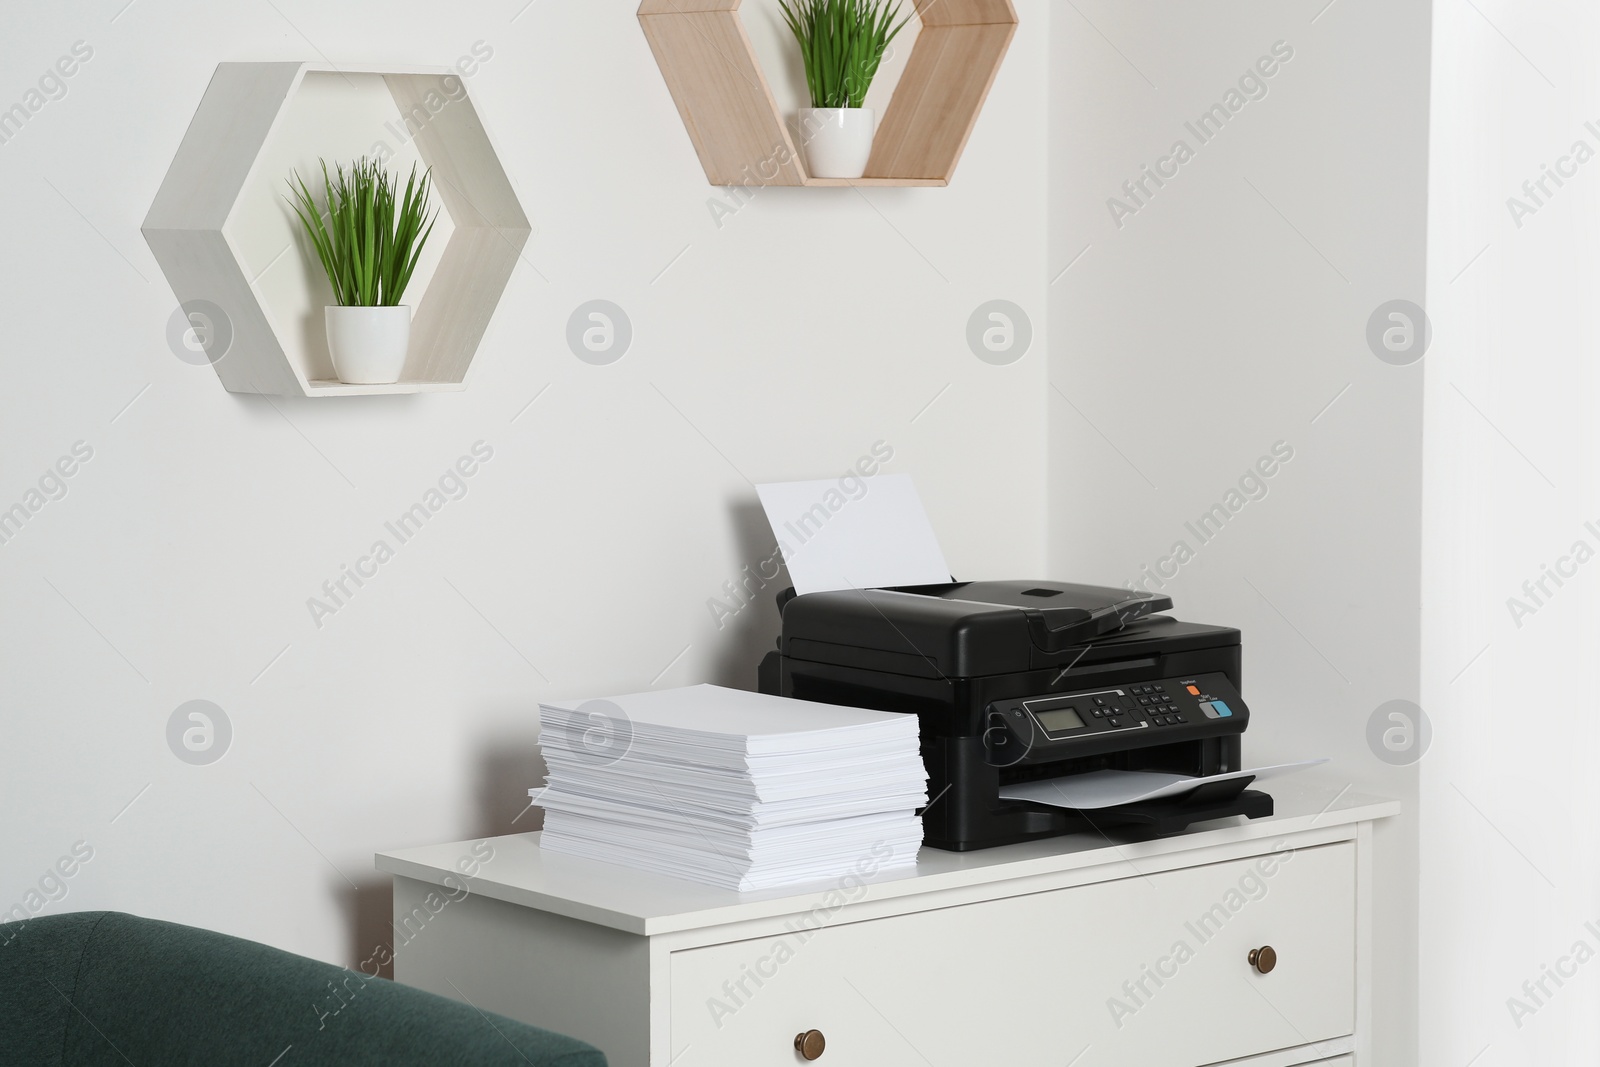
1060	615
979	628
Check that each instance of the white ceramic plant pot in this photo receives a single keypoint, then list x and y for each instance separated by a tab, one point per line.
838	140
368	344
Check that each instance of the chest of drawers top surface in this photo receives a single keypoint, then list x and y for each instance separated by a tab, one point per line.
637	902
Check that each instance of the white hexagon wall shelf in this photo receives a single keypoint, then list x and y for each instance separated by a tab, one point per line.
727	105
228	241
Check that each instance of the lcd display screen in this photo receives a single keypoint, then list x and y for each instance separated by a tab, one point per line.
1059	719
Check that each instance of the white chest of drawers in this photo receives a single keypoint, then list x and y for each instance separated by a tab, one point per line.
1065	952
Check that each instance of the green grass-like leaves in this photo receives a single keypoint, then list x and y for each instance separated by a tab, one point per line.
842	43
372	236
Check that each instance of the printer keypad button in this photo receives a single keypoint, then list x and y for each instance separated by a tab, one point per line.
1144	700
1114	722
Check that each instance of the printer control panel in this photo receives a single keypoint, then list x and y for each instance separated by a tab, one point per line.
1055	723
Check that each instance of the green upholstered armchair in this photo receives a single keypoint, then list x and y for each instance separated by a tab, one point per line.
96	988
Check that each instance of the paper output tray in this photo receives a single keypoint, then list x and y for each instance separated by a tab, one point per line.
1171	815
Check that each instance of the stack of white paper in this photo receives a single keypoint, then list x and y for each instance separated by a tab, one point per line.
735	789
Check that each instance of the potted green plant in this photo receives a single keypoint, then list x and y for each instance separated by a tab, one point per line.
369	247
842	43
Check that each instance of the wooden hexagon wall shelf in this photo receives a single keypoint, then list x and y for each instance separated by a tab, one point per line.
727	105
230	245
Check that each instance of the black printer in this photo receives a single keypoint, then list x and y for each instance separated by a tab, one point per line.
1019	681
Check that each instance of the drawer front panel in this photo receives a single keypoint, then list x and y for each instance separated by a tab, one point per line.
1152	971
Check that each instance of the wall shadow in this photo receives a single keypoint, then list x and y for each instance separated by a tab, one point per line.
506	770
370	907
752	631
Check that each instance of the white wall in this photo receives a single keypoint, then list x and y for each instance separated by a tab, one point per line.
1226	315
1219	319
781	345
1511	803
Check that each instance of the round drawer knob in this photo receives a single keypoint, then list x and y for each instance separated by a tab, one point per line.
810	1044
1264	958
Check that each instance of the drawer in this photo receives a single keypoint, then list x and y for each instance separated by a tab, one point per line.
1151	970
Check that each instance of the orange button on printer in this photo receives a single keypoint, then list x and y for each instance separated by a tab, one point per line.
1192	690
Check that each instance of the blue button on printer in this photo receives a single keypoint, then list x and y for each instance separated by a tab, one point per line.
1223	711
